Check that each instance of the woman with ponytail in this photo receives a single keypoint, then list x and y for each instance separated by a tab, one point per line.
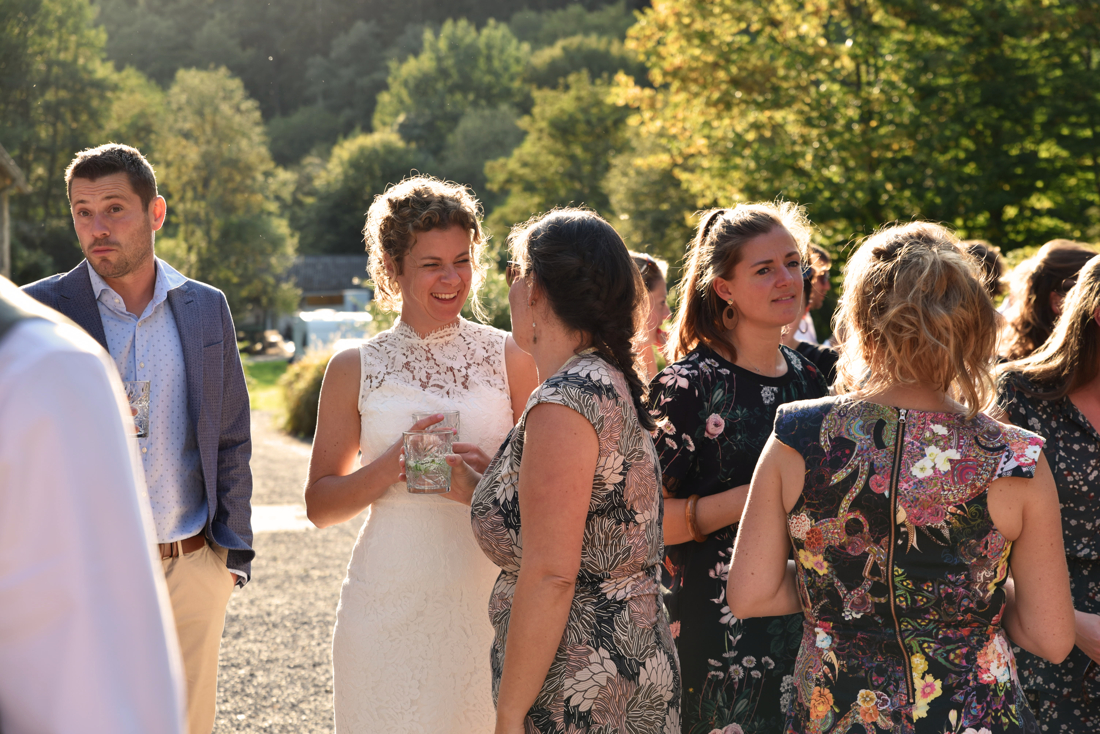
715	406
570	507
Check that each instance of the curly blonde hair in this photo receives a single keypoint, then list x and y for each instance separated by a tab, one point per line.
917	312
713	253
419	204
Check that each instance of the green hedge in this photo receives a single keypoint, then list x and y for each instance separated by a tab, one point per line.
302	387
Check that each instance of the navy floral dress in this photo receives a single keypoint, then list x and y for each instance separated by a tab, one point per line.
615	669
1065	696
901	570
713	421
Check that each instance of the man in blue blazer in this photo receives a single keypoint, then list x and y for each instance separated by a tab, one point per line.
176	334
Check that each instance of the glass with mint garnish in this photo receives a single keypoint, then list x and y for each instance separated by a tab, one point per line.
426	467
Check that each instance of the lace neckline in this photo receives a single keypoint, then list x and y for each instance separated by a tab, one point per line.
444	333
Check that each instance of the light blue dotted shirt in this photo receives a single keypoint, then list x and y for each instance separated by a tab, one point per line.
148	347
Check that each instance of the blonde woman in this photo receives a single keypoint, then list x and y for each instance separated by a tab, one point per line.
408	651
1057	391
906	508
715	405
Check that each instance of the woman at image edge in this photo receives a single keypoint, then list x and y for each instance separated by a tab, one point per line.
408	650
906	510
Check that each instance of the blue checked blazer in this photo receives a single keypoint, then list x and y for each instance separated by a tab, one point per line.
217	398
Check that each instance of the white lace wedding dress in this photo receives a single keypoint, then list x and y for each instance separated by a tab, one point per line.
410	652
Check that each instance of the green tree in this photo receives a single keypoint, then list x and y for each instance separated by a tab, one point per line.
601	56
653	212
880	109
546	27
459	69
54	87
223	189
335	204
572	134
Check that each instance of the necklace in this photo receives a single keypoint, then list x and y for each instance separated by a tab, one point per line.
756	369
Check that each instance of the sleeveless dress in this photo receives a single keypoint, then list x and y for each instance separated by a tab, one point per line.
1064	696
713	420
409	651
616	668
901	570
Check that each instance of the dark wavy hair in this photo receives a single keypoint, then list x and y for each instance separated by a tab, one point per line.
582	265
1070	358
1031	284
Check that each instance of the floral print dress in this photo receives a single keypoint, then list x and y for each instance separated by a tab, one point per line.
713	420
901	570
615	671
1065	696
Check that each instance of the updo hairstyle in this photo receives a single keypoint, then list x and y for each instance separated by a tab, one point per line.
1070	358
592	286
1031	284
419	204
713	253
917	312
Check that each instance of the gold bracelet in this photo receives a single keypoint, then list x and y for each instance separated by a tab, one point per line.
689	515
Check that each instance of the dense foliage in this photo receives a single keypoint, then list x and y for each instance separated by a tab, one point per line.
274	124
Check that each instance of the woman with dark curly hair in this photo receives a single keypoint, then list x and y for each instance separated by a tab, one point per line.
1056	391
408	648
715	406
1036	292
570	508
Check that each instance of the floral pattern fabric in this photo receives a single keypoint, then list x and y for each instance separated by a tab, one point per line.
901	570
713	420
1065	696
615	670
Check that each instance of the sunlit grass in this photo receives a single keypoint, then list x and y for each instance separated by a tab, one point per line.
264	392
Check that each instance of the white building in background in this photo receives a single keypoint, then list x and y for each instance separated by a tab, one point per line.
334	301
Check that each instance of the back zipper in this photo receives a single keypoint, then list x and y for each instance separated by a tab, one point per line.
894	479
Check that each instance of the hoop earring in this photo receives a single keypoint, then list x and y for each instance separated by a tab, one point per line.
729	316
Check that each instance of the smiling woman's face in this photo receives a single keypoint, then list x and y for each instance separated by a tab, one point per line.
766	285
435	278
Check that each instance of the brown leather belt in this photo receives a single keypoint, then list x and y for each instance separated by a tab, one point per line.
182	547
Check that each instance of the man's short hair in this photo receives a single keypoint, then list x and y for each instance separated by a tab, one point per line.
95	163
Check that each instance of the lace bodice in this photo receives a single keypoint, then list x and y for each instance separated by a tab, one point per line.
459	367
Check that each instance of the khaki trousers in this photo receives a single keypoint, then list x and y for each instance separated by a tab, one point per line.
199	587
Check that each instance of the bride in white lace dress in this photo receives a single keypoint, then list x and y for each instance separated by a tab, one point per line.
409	647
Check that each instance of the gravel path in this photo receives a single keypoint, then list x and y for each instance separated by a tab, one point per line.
275	670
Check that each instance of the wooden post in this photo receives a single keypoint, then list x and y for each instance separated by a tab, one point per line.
5	235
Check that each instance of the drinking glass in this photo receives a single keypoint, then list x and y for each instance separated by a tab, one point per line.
426	468
137	393
450	420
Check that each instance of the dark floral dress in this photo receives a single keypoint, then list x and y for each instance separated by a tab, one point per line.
1065	696
615	670
901	570
714	418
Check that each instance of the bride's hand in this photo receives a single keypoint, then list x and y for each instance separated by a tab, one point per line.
463	477
474	457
